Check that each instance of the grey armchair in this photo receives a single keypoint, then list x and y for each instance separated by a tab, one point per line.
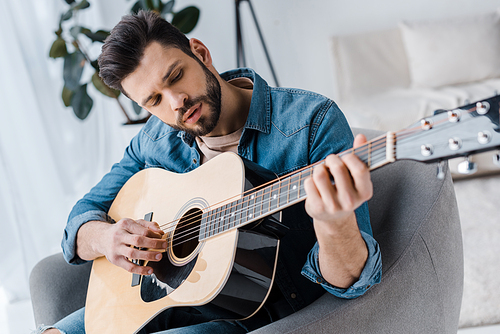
415	220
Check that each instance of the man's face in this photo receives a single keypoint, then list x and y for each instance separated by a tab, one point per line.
180	91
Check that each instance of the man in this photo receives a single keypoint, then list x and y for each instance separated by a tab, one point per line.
199	113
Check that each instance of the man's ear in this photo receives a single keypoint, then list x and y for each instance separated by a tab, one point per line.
201	51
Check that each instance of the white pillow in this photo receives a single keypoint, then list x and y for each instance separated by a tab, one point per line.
369	63
452	51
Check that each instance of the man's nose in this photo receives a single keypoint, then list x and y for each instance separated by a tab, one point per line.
177	99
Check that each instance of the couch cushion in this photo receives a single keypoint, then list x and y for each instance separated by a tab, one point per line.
452	51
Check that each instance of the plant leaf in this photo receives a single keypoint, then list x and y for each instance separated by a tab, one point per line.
137	108
167	8
102	87
98	36
82	5
58	48
157	5
67	96
66	16
148	4
95	64
72	70
136	7
186	19
82	103
59	31
74	31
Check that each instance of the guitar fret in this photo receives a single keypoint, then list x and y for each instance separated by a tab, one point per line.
213	227
274	195
266	200
244	211
232	216
216	221
259	203
251	206
239	210
304	175
223	218
283	195
209	225
294	188
203	227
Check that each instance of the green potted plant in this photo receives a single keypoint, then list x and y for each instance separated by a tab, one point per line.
70	47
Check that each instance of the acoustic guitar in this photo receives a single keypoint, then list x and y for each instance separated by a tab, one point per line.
222	221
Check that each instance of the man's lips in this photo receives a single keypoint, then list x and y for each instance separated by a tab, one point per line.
193	114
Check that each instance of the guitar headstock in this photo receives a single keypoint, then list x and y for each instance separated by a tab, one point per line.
467	130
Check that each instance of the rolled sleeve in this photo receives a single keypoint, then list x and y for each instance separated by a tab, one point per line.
69	239
370	275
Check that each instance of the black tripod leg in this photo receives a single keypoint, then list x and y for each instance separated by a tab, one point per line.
240	52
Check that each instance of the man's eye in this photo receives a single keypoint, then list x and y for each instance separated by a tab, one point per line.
177	77
156	101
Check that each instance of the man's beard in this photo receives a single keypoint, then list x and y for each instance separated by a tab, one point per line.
211	99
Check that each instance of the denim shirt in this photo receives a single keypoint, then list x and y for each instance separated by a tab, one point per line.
286	129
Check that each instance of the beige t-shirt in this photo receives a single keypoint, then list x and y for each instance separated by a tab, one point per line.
210	147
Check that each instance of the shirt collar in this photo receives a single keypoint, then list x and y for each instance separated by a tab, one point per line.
258	119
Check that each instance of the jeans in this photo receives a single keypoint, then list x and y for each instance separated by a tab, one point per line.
181	320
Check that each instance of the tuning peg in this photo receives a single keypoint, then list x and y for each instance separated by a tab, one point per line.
482	108
496	158
440	170
467	167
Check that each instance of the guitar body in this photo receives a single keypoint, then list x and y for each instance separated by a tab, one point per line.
233	270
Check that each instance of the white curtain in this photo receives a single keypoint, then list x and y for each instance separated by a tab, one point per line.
48	158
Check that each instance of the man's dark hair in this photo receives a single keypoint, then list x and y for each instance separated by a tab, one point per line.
124	48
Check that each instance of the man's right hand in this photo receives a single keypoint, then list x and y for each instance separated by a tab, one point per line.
122	242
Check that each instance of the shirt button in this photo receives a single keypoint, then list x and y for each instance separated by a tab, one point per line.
368	286
293	295
195	161
319	280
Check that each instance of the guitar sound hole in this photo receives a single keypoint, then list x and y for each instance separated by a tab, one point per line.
186	233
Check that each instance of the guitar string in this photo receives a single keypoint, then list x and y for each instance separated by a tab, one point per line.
270	190
214	226
400	135
193	233
270	183
284	197
260	201
263	204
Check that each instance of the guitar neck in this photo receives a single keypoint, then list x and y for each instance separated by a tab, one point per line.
285	191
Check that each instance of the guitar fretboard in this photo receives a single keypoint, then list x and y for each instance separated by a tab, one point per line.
283	192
